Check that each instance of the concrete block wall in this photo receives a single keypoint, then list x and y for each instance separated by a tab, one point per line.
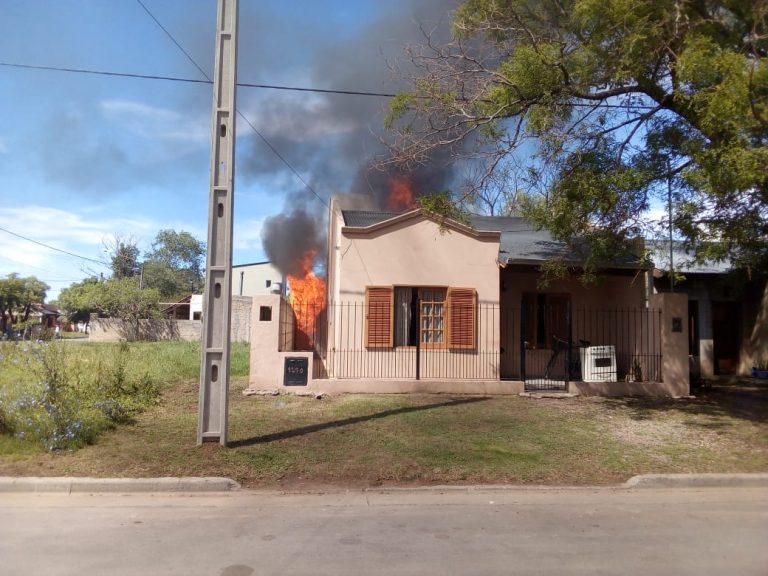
114	329
240	328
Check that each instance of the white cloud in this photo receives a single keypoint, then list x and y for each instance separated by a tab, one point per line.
83	234
247	234
154	123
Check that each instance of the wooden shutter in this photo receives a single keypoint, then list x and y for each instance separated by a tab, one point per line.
462	304
378	316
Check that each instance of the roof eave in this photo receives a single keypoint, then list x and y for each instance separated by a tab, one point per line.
419	213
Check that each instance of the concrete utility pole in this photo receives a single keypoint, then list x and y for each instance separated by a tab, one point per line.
214	365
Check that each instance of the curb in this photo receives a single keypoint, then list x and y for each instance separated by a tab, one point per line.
70	485
758	480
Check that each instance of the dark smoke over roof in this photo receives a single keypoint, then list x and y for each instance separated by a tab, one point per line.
331	140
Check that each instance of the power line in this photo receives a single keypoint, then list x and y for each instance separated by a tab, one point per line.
194	80
102	73
167	33
54	248
263	86
259	134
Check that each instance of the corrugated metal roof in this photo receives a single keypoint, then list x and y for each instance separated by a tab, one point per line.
363	219
684	261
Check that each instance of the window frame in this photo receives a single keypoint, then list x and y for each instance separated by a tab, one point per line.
466	336
443	317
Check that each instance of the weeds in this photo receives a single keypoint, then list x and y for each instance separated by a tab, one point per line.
62	395
56	400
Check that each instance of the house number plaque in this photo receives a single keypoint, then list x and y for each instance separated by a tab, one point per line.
296	369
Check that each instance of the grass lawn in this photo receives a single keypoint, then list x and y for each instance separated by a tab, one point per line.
366	440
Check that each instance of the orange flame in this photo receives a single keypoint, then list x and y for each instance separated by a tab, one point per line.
400	194
307	298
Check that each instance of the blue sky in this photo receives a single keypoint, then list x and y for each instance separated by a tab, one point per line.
85	157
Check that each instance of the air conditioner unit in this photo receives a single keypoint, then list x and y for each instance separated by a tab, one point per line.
598	363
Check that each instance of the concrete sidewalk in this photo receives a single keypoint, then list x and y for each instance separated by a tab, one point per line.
73	485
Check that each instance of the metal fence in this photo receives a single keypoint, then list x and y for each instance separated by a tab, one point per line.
545	347
558	345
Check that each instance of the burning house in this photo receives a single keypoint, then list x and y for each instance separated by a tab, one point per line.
411	304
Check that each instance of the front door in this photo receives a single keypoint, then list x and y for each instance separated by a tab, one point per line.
545	341
726	333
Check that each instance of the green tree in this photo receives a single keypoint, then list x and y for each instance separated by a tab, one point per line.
17	295
599	105
174	265
124	256
81	299
119	298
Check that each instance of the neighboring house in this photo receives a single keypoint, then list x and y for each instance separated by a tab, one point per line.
257	279
727	314
41	317
419	304
180	310
48	314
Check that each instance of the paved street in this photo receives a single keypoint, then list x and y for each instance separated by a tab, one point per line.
522	531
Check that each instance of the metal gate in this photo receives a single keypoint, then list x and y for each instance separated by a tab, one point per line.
545	342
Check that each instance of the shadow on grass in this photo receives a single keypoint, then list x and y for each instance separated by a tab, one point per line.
741	399
347	422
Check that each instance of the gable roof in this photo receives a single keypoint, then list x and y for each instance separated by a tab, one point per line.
365	222
46	309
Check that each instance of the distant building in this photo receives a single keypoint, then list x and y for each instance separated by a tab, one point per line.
257	279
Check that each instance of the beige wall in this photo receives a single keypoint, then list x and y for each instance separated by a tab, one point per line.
618	389
614	291
416	253
267	359
675	367
412	252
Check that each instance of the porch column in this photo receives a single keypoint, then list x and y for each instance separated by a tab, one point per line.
706	340
675	369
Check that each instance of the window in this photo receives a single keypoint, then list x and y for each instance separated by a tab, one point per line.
265	313
545	316
432	312
406	316
433	317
